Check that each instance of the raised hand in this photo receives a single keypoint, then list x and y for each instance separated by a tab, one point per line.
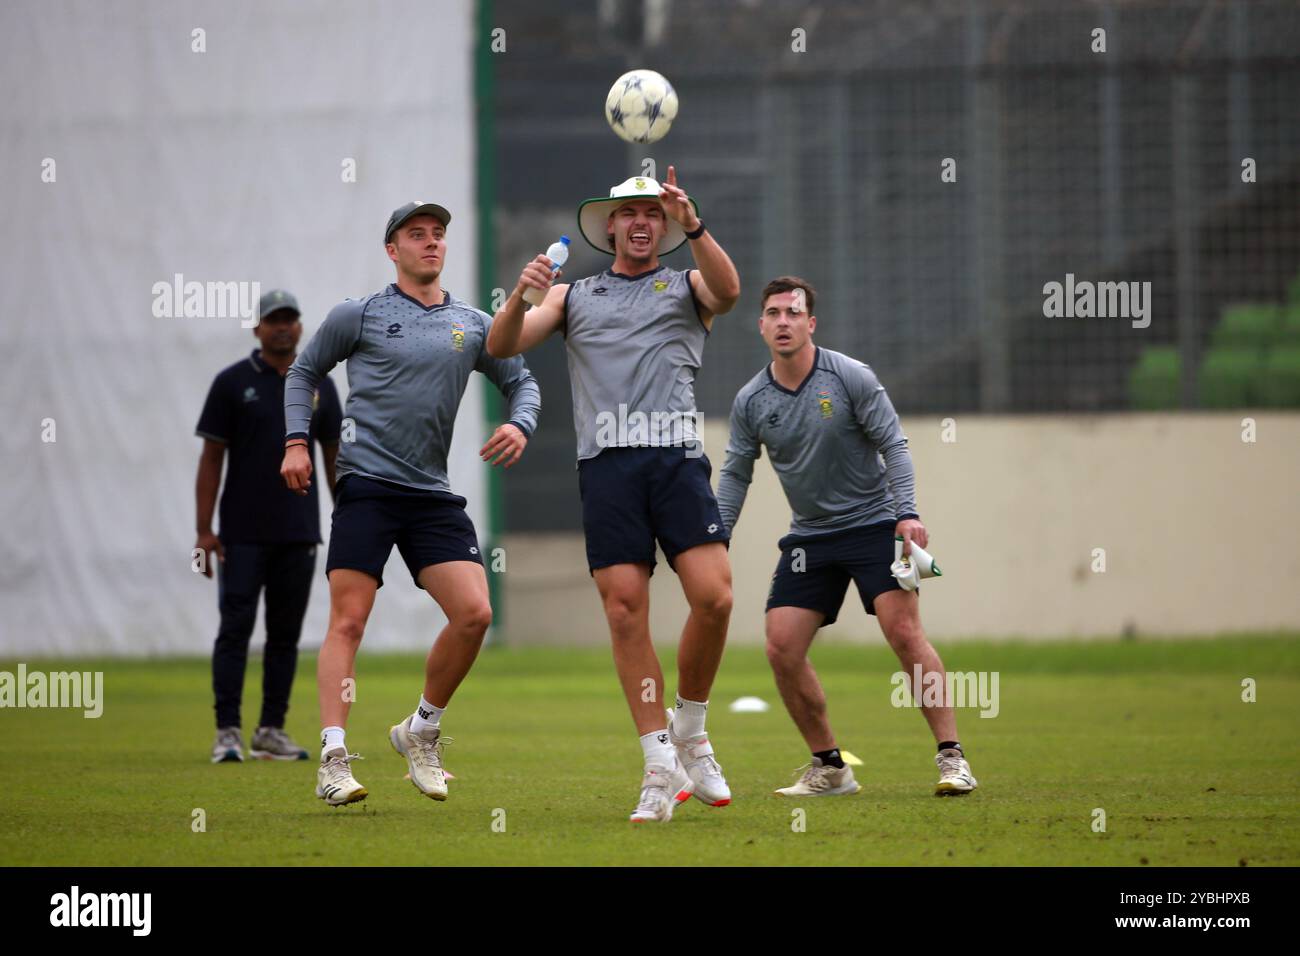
676	203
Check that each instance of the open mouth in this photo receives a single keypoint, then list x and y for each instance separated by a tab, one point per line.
640	239
784	338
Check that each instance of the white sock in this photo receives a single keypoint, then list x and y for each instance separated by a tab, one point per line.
688	721
658	751
331	738
426	717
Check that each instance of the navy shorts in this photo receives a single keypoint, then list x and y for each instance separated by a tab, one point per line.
370	516
633	497
862	555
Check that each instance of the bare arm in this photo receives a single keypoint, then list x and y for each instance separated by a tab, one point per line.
515	330
206	485
716	284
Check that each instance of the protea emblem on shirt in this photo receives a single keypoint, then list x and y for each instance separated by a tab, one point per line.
824	400
660	285
458	336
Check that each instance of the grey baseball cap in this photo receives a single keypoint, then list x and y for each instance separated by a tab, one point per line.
415	208
274	301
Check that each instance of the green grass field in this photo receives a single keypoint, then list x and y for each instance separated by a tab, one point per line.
1154	733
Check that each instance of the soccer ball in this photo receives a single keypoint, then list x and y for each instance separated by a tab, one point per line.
641	106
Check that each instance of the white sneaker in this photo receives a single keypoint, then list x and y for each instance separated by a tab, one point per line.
661	789
695	754
423	753
334	781
821	780
955	778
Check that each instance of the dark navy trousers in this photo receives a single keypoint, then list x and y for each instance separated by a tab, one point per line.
284	572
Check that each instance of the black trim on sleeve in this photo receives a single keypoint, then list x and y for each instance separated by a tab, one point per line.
696	300
564	322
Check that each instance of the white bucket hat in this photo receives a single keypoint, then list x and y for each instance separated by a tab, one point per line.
593	215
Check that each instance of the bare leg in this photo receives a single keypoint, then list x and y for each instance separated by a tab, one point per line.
705	574
899	613
625	593
790	632
352	595
461	590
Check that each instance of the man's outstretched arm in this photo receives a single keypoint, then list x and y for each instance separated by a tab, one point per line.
716	282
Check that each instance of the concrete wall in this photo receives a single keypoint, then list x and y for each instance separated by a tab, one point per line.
1201	532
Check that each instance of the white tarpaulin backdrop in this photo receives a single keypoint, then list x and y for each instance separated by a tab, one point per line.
223	165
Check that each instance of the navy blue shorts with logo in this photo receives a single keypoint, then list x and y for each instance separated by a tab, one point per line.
632	497
862	555
370	516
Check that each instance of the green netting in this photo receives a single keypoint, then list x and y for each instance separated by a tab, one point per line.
1228	378
1289	334
1278	385
1247	326
1153	383
1293	291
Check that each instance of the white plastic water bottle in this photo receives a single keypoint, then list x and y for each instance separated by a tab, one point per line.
558	253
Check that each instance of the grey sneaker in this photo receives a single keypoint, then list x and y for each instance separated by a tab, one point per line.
272	743
821	780
955	778
229	746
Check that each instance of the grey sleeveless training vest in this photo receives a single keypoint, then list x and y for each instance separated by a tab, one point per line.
634	347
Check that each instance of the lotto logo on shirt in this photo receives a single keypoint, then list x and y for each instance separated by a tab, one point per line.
458	336
824	400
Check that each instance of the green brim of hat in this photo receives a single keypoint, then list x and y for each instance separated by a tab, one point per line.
597	210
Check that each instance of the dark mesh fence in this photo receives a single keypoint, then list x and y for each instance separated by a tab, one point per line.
1123	166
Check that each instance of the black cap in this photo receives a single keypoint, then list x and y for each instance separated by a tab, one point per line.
415	208
275	300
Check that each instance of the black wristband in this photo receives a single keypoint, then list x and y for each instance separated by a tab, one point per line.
909	516
698	232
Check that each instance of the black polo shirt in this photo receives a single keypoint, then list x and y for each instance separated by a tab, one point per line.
245	411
